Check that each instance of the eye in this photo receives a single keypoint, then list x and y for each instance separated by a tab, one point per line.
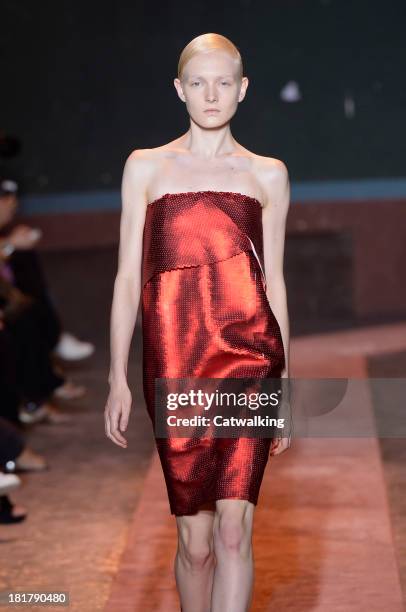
225	83
195	83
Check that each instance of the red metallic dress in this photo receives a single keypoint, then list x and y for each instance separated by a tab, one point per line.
205	314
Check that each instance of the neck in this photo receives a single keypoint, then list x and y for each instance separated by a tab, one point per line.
209	144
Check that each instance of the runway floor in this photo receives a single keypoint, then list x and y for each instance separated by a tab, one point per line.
329	532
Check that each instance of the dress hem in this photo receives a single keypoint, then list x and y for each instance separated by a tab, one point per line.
195	509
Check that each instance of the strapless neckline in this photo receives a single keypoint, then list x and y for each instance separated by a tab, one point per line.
205	191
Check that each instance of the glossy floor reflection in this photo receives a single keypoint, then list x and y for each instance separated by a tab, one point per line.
323	538
330	526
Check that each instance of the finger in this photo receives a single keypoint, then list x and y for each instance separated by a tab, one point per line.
274	446
114	427
114	438
107	424
115	432
277	446
119	441
124	420
284	446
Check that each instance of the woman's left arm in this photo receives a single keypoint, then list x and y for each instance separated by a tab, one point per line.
274	216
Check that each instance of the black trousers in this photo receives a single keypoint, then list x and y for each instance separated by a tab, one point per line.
26	371
12	442
30	279
35	376
10	395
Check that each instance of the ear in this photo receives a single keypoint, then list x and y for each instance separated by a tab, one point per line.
178	87
243	89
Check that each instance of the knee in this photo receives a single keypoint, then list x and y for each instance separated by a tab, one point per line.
232	535
196	556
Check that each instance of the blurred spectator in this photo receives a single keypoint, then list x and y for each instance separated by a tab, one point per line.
24	270
11	447
30	326
9	512
27	377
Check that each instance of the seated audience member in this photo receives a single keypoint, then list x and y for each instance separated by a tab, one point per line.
25	271
11	447
27	376
30	317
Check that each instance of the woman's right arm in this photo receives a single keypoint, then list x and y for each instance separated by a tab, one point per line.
126	294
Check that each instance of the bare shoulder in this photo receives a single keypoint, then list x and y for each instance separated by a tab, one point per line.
273	176
274	169
142	163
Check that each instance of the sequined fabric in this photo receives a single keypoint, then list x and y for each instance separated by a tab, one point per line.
205	314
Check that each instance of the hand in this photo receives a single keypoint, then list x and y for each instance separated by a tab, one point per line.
279	445
117	413
23	237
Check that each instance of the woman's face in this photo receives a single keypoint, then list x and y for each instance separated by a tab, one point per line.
211	81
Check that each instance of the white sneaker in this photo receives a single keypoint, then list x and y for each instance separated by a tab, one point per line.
71	348
8	482
31	413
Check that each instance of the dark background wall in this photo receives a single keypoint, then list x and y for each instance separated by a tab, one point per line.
84	83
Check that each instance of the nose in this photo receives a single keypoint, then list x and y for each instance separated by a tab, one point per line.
211	94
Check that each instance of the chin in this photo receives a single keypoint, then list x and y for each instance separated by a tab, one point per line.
214	120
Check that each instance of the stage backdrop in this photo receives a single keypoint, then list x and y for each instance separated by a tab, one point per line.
84	83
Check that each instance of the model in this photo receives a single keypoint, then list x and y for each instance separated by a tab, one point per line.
201	246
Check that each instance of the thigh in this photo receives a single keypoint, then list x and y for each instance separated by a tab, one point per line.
12	441
28	272
234	520
195	531
10	396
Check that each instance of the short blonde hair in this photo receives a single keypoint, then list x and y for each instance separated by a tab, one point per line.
205	43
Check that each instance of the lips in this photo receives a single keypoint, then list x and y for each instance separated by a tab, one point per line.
212	110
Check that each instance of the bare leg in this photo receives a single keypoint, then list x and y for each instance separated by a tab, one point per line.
234	575
194	560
